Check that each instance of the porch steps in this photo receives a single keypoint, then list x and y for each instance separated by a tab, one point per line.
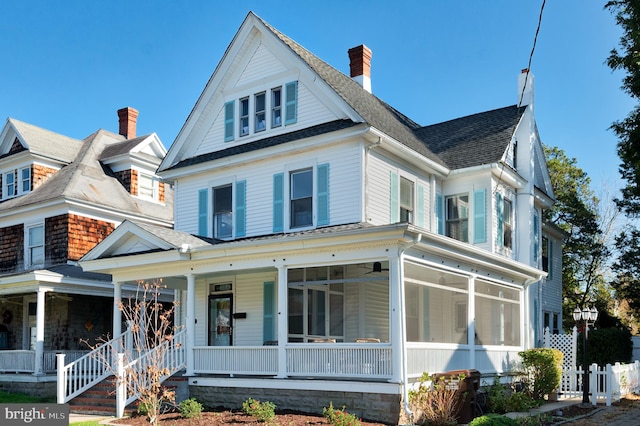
101	399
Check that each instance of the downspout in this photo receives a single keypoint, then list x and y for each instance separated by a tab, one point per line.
403	329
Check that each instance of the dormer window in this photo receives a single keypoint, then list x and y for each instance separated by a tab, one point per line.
10	184
16	182
147	187
244	117
25	177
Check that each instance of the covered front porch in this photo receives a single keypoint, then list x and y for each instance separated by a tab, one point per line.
380	304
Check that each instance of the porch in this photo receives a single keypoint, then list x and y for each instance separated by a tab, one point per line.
370	362
24	361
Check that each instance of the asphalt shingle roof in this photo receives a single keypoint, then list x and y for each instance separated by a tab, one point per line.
85	180
473	140
47	143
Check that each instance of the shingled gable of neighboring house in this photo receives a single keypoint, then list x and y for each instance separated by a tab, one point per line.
72	194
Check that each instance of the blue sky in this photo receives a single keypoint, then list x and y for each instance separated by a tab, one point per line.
69	65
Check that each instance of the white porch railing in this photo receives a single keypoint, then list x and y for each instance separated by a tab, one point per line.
17	361
370	360
608	384
23	361
169	355
366	360
83	373
255	360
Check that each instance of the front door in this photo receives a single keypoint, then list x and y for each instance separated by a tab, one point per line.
220	320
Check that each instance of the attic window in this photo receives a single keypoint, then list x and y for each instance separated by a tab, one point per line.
147	187
16	182
261	111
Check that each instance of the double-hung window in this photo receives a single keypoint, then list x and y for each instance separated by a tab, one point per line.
35	245
10	184
260	112
507	218
146	186
457	220
25	179
222	212
244	116
301	203
546	250
276	107
406	200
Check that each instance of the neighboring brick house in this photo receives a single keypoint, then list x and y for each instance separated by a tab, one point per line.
59	198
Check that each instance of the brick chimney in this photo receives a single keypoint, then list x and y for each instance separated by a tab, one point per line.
360	65
127	118
525	88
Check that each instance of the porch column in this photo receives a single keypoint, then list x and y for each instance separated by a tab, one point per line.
396	313
39	361
117	315
190	323
471	326
283	316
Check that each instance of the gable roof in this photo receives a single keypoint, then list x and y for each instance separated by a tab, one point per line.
486	135
366	107
373	110
44	142
85	180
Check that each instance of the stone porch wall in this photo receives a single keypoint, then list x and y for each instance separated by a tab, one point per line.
383	408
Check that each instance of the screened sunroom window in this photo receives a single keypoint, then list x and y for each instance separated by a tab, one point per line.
340	303
436	305
497	314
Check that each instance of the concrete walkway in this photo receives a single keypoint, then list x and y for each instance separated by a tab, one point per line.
79	418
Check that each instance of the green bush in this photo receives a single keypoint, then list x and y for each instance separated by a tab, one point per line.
190	408
493	419
543	371
263	411
501	398
340	417
607	346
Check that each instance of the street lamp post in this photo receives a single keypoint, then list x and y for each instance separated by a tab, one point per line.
589	317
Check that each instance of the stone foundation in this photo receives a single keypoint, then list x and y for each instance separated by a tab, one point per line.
33	387
384	408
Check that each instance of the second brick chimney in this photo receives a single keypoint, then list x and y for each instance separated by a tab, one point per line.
127	118
360	65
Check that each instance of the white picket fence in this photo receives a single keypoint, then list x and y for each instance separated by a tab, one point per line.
606	384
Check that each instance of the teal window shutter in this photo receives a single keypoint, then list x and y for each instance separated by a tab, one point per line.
269	309
291	103
241	208
420	206
440	213
536	237
549	259
499	220
278	202
203	212
479	216
323	194
229	109
394	198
